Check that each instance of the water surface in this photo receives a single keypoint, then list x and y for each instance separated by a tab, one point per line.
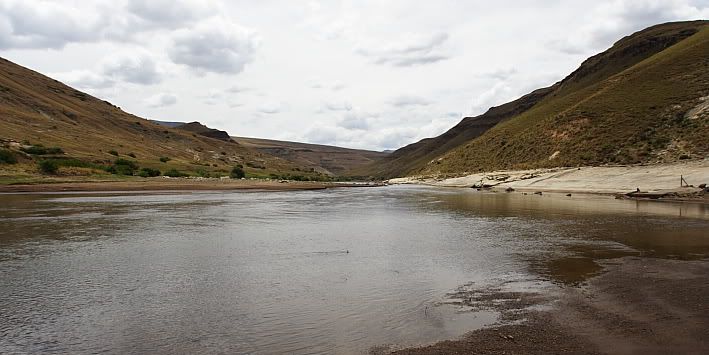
310	272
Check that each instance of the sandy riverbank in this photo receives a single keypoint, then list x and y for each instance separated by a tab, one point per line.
637	306
596	180
163	184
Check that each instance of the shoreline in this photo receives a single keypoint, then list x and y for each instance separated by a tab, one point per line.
635	305
174	184
655	182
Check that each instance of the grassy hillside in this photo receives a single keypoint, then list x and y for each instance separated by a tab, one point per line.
652	111
37	110
325	159
549	102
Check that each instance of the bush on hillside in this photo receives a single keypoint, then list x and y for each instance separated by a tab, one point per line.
149	172
123	167
38	149
113	152
203	173
164	159
237	172
175	173
7	157
48	167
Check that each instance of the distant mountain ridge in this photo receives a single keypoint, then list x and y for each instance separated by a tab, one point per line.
656	75
325	159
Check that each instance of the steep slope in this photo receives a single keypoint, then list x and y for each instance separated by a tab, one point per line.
39	110
652	111
322	158
626	53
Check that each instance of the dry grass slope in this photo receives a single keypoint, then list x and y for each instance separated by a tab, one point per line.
653	111
40	110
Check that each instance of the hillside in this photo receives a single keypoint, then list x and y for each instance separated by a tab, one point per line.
322	158
652	111
629	104
36	110
196	127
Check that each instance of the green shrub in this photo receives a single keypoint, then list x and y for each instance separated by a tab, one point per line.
39	149
123	167
203	173
48	166
132	155
164	159
148	172
7	157
237	172
113	152
175	173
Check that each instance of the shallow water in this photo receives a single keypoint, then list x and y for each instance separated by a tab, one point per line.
312	272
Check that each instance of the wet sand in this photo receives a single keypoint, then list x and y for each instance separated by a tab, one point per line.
176	184
636	306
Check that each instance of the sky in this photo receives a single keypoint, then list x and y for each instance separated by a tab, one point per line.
376	74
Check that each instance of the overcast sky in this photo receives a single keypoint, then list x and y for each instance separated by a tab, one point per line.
374	74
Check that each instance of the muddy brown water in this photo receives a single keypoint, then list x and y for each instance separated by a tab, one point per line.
310	272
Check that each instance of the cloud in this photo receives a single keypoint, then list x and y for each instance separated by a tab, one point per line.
170	13
212	97
237	89
161	100
416	50
335	86
84	79
271	108
44	24
409	101
136	67
499	74
354	121
216	46
336	106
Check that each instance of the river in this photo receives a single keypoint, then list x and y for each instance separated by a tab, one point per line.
311	272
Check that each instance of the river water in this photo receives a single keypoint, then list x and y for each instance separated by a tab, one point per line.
311	272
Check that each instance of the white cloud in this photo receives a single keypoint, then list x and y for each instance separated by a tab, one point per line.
336	106
271	108
405	101
137	67
415	50
161	100
45	24
171	13
84	80
216	46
